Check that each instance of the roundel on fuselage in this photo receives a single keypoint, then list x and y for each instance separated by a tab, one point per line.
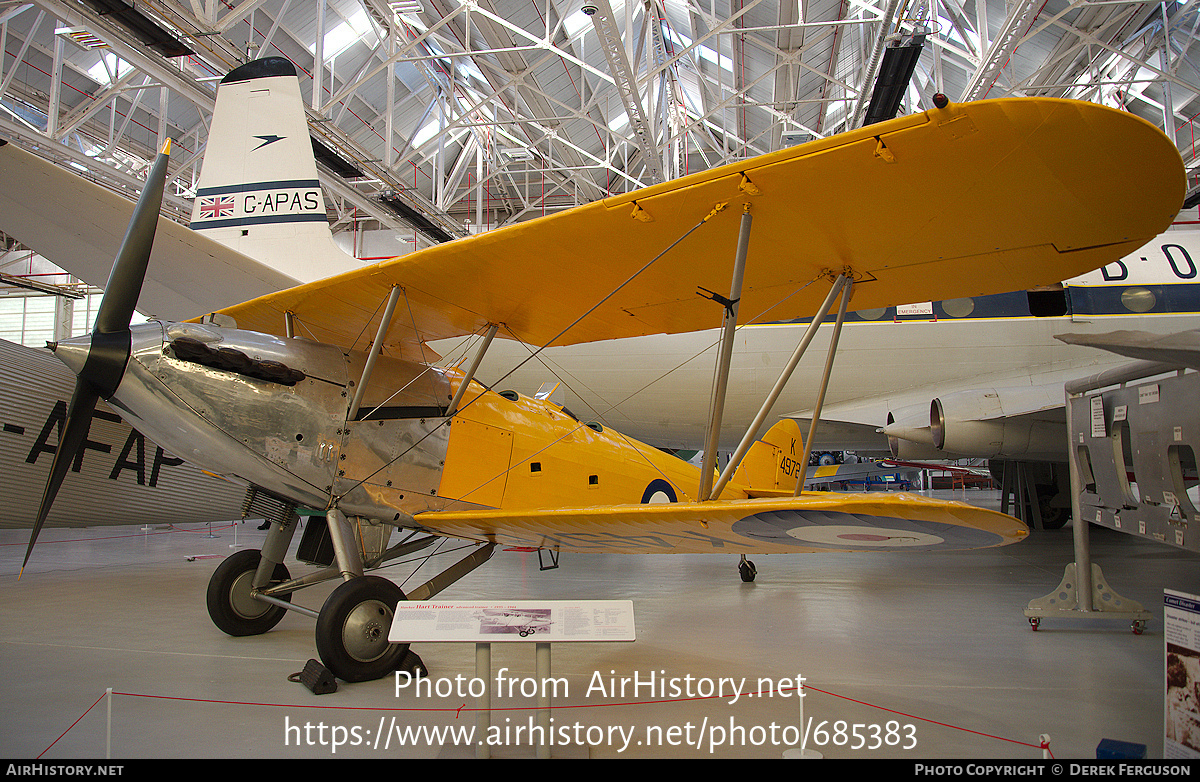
659	491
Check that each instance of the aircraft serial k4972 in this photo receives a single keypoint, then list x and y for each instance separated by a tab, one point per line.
1009	196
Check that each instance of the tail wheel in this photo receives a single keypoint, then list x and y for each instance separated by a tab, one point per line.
231	605
352	629
747	570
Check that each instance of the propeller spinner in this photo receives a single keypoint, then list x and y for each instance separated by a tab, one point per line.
107	350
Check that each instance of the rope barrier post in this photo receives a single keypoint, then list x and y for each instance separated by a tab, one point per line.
108	729
1044	740
802	752
483	717
541	653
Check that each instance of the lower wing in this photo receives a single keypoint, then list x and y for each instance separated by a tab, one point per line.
812	522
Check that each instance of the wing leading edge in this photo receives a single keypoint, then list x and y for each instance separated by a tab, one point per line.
973	199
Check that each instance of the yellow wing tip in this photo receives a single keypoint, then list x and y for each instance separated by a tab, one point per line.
166	148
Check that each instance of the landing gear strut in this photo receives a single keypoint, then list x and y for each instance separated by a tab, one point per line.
251	590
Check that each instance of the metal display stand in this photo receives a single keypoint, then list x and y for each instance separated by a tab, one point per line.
1140	432
540	622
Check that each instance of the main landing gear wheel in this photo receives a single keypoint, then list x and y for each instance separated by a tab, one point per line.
747	570
352	629
230	604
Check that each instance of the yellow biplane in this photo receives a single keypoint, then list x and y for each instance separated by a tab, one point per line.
286	393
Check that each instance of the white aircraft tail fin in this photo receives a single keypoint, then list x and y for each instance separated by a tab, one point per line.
258	191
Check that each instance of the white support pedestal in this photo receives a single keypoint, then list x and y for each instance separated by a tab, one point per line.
483	717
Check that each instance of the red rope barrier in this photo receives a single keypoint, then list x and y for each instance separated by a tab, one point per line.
459	710
172	529
73	724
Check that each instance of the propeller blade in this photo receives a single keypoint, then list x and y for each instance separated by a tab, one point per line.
129	270
109	348
74	433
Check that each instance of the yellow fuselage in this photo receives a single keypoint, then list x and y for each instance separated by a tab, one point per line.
517	453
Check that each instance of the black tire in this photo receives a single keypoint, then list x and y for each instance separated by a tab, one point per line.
352	629
1053	516
747	570
230	605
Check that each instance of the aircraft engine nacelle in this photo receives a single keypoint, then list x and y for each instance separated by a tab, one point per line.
909	438
996	422
268	410
908	451
275	413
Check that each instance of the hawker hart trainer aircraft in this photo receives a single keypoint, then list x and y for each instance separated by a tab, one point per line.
380	438
258	227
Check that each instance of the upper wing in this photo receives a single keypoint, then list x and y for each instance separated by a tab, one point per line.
79	226
812	522
973	199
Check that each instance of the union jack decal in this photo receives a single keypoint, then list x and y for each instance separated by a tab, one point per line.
219	206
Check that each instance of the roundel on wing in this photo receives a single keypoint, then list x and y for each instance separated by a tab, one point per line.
840	531
659	491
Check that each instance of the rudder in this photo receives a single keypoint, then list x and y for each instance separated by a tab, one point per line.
773	462
258	191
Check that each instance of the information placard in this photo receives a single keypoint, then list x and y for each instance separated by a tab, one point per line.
1181	621
1097	409
517	620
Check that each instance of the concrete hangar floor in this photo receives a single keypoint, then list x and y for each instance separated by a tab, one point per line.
929	655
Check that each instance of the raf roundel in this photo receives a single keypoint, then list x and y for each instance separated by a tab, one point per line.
836	531
659	491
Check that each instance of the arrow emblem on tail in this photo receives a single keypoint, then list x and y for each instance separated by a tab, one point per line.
268	140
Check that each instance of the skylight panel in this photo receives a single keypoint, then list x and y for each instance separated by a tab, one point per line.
99	73
342	36
705	52
576	23
424	134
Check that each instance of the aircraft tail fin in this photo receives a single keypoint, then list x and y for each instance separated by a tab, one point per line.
772	463
258	191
